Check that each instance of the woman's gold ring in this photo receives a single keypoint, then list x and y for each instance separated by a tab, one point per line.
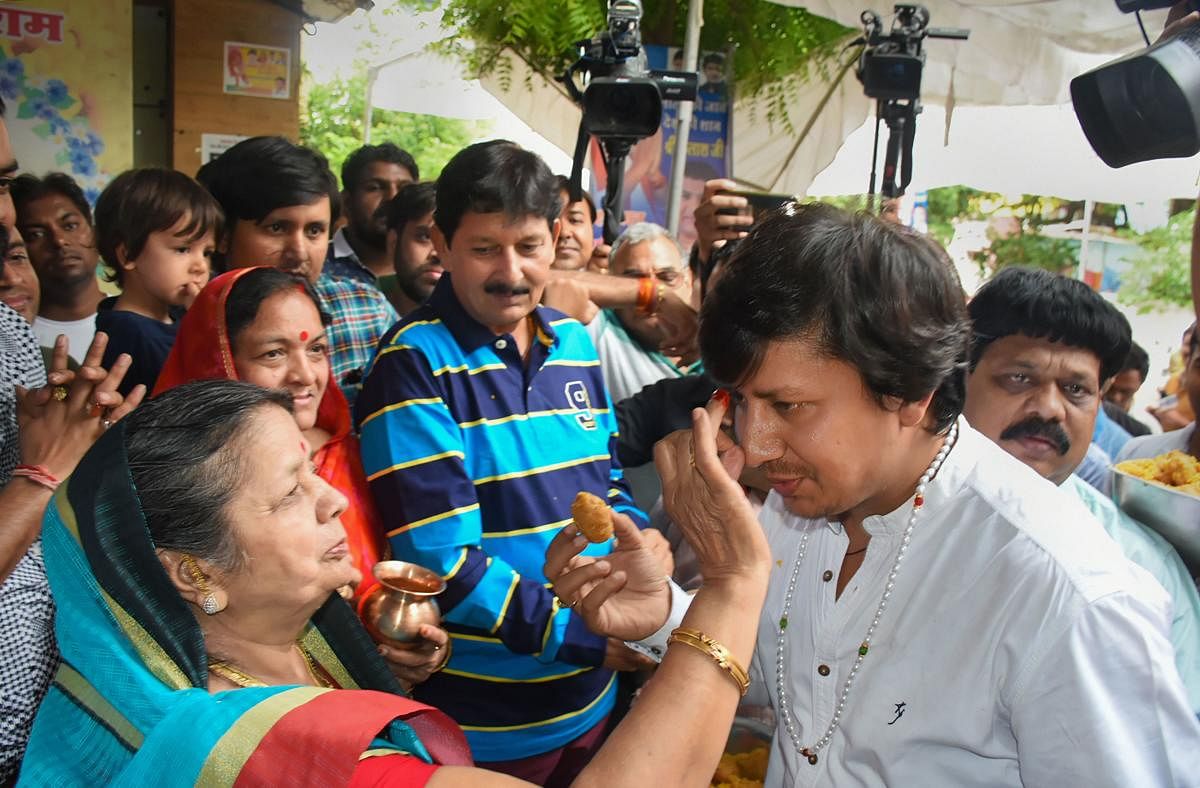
59	393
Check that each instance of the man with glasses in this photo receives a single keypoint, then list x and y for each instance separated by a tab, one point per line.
628	339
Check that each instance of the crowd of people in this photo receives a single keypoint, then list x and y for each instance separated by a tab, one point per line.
837	490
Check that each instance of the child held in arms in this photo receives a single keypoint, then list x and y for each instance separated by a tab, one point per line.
156	230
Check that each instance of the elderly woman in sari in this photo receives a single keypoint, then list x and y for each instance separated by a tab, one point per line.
264	326
195	553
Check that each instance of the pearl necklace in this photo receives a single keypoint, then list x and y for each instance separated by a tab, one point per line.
785	711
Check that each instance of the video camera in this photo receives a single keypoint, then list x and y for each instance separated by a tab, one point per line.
890	69
892	62
622	100
1145	105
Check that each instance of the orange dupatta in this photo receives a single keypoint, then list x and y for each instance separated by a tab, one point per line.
199	355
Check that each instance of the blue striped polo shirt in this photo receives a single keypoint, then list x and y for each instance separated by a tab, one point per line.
474	459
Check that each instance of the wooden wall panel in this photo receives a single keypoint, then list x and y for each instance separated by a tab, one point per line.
200	28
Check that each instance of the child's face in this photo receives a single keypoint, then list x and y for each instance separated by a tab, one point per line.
171	268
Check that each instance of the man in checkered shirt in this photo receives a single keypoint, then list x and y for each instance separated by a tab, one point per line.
280	201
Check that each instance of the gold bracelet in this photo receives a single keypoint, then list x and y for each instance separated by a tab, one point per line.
719	654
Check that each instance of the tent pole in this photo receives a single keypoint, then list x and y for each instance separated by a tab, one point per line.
368	110
1088	207
691	52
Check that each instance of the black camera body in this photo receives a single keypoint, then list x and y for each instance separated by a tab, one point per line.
623	97
893	61
1145	105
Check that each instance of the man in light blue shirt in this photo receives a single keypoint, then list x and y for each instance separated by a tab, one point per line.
1043	348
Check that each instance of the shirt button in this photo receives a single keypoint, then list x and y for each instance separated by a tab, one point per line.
827	576
501	344
823	670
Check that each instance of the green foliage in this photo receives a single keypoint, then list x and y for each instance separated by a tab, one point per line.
1030	250
773	45
1160	275
331	121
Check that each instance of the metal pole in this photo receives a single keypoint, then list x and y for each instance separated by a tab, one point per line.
691	53
1088	207
368	111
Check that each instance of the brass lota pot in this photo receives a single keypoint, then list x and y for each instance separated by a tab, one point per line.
405	598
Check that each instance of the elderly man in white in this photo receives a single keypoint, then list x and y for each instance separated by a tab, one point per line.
929	621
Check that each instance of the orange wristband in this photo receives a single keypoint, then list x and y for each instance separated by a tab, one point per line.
645	296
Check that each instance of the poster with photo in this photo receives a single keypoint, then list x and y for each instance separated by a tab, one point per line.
709	155
257	70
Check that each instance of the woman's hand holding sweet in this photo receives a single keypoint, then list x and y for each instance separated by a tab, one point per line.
415	666
59	422
699	469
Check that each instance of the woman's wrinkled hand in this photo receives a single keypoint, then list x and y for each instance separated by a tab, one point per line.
414	666
699	470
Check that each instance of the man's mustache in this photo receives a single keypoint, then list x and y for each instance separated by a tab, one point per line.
499	288
1037	427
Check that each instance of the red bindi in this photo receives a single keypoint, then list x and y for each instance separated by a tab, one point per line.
303	336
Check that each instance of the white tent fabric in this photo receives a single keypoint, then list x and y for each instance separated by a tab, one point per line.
1021	52
1011	150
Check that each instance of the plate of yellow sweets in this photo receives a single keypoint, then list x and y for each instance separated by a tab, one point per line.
744	764
1164	493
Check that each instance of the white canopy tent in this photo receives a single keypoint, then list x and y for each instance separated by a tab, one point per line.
1021	52
995	113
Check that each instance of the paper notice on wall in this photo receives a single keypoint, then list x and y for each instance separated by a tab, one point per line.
213	145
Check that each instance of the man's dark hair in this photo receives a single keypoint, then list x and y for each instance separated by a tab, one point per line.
28	188
1037	304
263	174
713	58
149	200
497	176
564	185
1138	360
3	108
874	295
412	202
183	448
251	289
357	162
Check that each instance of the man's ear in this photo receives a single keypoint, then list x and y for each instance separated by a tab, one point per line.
555	231
913	414
440	245
393	240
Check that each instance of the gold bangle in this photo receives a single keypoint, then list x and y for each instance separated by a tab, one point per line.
719	654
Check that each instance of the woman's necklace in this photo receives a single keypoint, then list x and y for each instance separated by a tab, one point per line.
236	676
785	706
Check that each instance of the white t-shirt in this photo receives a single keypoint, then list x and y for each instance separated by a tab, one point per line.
627	366
79	334
1018	648
1154	445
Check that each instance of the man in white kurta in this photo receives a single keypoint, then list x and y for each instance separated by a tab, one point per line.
1018	648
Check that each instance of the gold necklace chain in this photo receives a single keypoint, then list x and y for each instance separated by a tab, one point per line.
228	671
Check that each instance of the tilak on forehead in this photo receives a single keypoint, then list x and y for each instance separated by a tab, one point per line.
303	336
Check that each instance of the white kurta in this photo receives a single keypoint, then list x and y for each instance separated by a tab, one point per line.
1018	648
